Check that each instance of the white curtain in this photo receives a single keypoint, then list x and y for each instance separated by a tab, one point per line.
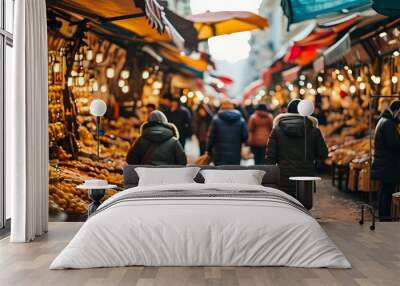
27	158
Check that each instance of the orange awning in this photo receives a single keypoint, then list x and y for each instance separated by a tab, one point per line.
122	13
176	56
212	24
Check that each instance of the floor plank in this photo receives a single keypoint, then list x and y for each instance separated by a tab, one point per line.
375	256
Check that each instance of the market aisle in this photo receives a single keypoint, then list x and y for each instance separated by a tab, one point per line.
330	204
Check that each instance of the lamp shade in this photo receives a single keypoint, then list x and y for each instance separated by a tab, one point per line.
98	107
305	107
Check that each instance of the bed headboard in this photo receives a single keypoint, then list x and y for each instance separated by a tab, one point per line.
270	179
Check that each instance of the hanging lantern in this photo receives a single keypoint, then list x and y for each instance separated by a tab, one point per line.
103	88
183	99
376	79
95	86
125	89
89	55
110	72
157	85
70	81
121	83
395	79
352	89
145	75
125	74
81	81
57	67
99	58
74	73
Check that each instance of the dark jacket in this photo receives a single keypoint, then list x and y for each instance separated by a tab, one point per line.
182	119
201	125
386	160
228	131
157	145
286	147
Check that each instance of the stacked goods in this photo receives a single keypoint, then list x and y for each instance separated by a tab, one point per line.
56	114
345	153
339	130
355	167
66	173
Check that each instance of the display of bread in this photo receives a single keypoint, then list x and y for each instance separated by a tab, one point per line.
67	173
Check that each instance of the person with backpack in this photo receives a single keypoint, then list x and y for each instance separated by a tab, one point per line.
158	143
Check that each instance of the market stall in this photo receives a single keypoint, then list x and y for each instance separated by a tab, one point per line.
127	54
350	68
115	63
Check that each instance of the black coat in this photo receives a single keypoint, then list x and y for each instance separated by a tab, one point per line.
386	160
157	145
182	119
286	147
228	131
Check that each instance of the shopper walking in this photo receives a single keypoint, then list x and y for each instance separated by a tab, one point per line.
386	160
178	115
286	146
201	122
158	143
228	131
260	127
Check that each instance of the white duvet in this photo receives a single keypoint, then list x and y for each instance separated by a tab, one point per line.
200	231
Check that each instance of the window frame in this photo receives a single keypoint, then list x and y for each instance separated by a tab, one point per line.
6	39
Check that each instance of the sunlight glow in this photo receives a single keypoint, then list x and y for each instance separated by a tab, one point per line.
231	48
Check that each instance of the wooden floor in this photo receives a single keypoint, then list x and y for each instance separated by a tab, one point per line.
375	257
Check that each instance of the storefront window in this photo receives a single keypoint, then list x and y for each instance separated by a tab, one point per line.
8	73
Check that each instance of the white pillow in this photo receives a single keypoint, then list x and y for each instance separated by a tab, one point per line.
166	176
248	177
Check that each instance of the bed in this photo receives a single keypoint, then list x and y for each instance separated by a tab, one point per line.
197	224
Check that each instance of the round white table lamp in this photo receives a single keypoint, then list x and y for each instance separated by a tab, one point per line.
305	107
98	108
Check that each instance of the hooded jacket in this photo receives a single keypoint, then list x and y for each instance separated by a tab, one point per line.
157	145
286	147
260	127
227	133
386	160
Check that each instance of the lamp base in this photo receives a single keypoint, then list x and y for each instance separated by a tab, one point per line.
95	196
